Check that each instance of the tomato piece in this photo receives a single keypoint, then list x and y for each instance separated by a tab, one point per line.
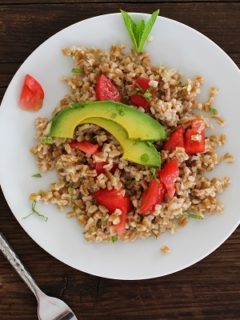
139	101
168	175
112	200
194	141
120	227
84	146
198	125
99	166
32	94
175	140
144	84
151	196
106	90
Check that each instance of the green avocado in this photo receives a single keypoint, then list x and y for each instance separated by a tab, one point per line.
137	124
141	152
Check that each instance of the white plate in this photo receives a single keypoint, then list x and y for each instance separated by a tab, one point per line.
174	45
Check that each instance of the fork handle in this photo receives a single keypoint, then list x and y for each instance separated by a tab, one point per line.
19	267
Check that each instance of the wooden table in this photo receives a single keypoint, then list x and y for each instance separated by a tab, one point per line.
208	290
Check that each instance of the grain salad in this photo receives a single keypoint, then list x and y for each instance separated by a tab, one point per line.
173	102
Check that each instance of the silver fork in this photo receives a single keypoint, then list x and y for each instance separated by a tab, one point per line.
49	308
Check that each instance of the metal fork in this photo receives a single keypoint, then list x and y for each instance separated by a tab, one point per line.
49	308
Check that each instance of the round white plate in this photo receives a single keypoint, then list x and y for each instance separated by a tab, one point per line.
175	46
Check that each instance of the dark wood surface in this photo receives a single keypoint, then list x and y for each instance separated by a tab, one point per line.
208	290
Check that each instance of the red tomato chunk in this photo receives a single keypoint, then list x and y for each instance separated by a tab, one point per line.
168	175
84	146
175	140
32	94
106	90
152	195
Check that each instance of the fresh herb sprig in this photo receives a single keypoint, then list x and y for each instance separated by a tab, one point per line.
37	175
35	212
47	140
139	32
196	216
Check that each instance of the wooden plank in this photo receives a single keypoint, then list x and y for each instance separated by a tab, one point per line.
23	28
25	2
203	291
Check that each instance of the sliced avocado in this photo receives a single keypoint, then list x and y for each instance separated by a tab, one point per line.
137	124
141	152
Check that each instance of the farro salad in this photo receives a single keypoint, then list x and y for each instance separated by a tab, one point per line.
130	144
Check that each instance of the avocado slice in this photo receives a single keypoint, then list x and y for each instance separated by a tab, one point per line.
137	124
141	152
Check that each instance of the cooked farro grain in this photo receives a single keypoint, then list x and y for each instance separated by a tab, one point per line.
174	103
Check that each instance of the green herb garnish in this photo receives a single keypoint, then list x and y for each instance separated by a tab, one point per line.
69	185
194	215
47	140
114	239
213	111
77	70
139	31
37	175
148	93
152	174
35	212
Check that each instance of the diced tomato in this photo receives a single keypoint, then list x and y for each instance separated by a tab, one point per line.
175	140
168	175
144	83
106	90
152	195
112	200
99	166
84	146
139	101
194	141
198	125
120	227
32	94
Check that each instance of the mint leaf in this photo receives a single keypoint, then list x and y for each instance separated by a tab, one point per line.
77	70
37	175
35	212
114	239
131	27
194	215
147	30
213	111
47	140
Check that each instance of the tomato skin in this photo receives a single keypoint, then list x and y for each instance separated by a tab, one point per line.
152	195
32	94
120	227
84	146
112	200
197	129
99	167
175	140
144	84
139	101
106	90
168	175
192	146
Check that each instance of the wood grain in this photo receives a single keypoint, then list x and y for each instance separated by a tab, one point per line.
208	290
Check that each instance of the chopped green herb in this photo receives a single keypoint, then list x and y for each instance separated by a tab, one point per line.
37	175
77	70
94	139
35	212
69	185
213	111
139	31
114	239
47	140
152	173
194	215
94	69
148	93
